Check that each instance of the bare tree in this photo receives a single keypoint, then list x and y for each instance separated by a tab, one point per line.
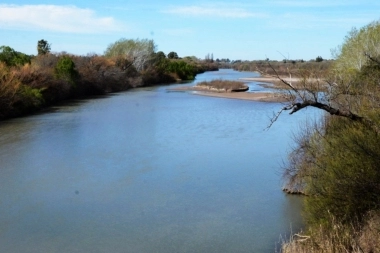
332	94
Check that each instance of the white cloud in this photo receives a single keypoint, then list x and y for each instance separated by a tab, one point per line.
213	11
68	19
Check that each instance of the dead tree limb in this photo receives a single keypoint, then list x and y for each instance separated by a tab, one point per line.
305	101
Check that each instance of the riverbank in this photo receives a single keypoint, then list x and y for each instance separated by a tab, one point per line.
45	80
254	96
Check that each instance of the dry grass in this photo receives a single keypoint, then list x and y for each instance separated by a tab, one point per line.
338	238
9	87
224	85
282	68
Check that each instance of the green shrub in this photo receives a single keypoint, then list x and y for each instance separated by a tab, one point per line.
346	181
182	69
13	58
65	70
31	98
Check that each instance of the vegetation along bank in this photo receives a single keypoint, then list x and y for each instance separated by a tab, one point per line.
335	162
29	83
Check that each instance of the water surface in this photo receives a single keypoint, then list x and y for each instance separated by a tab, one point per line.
147	170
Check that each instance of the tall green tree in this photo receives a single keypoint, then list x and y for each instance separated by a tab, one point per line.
43	47
65	70
160	55
173	55
351	56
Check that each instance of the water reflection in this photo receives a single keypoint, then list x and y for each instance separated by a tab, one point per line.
146	171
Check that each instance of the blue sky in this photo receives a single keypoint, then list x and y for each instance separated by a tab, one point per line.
245	30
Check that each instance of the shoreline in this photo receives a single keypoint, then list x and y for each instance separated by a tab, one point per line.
273	97
260	97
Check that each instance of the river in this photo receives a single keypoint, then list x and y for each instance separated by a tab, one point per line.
148	170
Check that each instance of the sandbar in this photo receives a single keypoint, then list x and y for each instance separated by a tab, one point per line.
254	96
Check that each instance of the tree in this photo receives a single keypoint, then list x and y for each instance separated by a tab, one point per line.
160	55
13	58
43	47
182	69
319	59
344	91
172	55
336	161
140	52
209	58
352	55
65	70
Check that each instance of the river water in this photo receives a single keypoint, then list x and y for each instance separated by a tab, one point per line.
148	170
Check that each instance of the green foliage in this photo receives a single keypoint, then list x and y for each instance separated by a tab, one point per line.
138	51
13	58
344	180
173	55
65	70
336	162
182	69
31	98
160	55
351	55
50	78
319	59
43	47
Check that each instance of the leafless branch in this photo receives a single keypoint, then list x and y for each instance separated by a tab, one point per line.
309	98
274	118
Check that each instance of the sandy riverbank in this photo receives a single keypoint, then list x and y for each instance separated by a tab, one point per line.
260	96
255	96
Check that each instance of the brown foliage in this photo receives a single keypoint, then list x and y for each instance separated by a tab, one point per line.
26	88
224	85
364	238
283	68
9	87
100	75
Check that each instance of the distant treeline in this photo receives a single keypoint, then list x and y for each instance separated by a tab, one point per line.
29	83
269	67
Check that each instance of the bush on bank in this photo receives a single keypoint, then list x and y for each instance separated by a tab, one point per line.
29	83
336	162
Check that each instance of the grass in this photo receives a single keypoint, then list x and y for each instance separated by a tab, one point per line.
224	85
353	238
